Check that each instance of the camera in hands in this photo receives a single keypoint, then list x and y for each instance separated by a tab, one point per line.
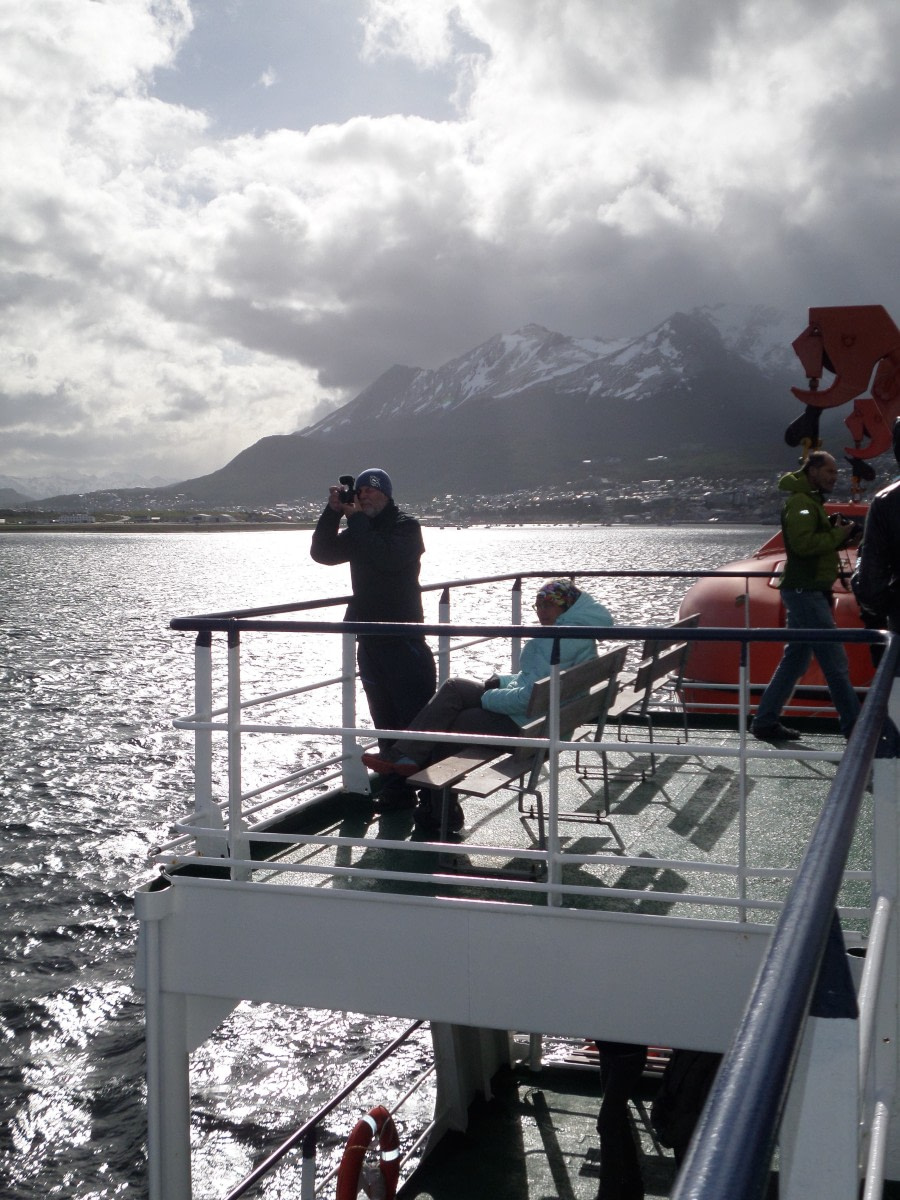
843	519
347	493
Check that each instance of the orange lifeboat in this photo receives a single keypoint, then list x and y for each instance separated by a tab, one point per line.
752	601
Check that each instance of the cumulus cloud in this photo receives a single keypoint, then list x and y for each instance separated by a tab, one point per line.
171	294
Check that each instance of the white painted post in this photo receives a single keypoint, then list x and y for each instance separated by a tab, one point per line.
354	775
451	1105
168	1083
444	639
819	1131
206	812
515	618
308	1168
743	720
554	865
883	1063
237	838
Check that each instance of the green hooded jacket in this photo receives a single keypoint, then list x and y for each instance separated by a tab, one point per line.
809	538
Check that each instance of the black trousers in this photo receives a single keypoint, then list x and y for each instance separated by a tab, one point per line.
398	676
621	1068
454	708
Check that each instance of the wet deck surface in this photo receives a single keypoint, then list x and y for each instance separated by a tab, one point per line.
536	1139
688	810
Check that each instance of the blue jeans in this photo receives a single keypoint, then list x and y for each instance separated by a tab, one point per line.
809	610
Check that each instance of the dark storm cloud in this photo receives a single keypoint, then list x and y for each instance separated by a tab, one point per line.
170	294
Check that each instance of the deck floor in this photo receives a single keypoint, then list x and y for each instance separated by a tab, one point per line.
536	1139
687	811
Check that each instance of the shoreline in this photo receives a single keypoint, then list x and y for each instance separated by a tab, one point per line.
156	527
301	527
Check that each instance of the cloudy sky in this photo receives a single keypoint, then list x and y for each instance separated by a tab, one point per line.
221	218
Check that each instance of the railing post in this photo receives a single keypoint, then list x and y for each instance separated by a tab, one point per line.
818	1139
444	638
353	773
238	841
554	866
743	715
884	1038
206	812
515	618
308	1167
168	1089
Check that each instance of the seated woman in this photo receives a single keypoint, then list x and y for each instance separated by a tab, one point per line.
500	704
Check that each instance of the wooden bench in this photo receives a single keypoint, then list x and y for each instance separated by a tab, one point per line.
661	668
586	692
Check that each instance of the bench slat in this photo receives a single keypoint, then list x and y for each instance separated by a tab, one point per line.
447	771
486	780
626	699
585	692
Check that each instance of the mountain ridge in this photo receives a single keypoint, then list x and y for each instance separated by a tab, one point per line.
537	409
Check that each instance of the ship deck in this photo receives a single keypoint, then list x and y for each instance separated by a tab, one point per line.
645	918
535	1138
666	828
535	1135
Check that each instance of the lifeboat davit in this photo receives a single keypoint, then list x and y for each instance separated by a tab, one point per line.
710	683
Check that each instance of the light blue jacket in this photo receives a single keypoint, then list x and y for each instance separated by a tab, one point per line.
514	692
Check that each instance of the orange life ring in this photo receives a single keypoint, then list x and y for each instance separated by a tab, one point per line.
378	1123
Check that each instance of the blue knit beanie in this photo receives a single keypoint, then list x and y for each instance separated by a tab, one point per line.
374	477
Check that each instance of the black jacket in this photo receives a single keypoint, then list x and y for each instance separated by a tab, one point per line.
383	553
876	580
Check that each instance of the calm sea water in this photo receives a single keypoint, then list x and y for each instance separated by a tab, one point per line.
91	776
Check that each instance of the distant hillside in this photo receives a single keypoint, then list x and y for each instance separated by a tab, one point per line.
10	498
707	391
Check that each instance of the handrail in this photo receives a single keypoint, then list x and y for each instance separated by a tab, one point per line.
517	576
740	1126
712	633
350	730
735	1138
307	1131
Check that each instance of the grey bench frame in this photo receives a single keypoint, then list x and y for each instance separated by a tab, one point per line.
661	667
586	693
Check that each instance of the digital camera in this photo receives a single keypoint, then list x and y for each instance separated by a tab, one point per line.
838	518
347	493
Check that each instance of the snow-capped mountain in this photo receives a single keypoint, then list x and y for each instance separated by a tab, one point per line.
708	392
508	363
514	364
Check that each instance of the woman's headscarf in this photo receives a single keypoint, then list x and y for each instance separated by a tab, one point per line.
561	592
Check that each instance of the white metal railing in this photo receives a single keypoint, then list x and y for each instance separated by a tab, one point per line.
306	1138
813	1065
223	829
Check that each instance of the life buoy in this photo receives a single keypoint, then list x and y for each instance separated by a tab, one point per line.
378	1123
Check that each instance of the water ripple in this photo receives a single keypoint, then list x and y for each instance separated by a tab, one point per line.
92	777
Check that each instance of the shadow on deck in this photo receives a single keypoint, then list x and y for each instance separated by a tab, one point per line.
536	1139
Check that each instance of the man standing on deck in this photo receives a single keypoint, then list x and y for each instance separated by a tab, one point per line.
383	547
812	542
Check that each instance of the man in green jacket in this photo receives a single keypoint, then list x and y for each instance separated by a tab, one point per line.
812	543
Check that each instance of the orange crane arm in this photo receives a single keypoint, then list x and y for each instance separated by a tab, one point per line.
858	345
